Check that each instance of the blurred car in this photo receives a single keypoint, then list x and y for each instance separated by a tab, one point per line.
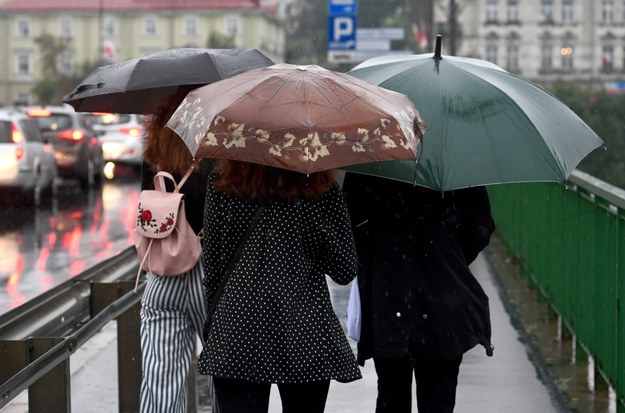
121	136
27	162
77	149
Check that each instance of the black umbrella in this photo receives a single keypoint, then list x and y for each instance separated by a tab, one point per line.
138	85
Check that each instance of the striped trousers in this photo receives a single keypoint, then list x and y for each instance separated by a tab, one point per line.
173	310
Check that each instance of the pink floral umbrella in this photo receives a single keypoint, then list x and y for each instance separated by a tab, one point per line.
301	118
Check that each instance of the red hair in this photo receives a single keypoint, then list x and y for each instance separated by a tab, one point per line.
164	150
251	182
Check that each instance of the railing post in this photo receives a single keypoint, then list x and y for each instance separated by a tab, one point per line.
128	342
52	392
13	358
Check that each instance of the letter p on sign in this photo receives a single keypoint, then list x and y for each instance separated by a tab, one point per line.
343	28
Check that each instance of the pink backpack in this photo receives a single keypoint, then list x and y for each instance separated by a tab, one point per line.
165	242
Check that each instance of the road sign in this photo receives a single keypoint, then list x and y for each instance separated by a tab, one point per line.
343	7
341	32
388	33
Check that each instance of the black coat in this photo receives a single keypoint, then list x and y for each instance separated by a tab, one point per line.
419	298
274	321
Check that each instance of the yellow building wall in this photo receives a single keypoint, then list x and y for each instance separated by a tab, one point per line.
255	29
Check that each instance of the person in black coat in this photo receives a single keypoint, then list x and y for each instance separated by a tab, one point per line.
422	308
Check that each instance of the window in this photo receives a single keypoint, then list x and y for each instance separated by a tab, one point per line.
65	28
607	11
513	11
546	58
607	58
232	26
546	10
23	63
23	98
567	11
149	26
190	26
491	53
23	28
108	26
567	57
491	11
513	58
66	62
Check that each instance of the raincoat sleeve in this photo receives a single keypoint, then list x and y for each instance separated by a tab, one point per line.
475	222
338	256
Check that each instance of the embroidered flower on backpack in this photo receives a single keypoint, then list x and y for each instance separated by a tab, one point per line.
145	218
165	225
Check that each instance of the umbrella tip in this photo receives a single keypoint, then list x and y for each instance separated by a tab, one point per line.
437	47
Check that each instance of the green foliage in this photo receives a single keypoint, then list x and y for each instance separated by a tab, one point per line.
374	13
605	114
220	41
53	85
307	39
46	91
50	48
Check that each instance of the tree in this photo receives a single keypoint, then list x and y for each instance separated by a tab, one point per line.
53	84
220	41
604	113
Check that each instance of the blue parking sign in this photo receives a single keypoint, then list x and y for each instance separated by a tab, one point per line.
343	7
342	32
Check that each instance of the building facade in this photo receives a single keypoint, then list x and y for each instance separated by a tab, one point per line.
117	30
581	41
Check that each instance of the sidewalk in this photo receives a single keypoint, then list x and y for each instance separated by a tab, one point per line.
508	382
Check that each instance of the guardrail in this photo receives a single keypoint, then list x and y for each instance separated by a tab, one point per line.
38	338
570	242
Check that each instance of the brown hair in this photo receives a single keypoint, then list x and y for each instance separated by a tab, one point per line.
253	182
164	150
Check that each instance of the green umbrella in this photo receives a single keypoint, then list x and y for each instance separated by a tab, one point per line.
485	125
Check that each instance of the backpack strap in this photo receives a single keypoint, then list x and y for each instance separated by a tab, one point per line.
159	180
141	264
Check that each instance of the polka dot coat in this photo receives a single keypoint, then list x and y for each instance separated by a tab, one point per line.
274	322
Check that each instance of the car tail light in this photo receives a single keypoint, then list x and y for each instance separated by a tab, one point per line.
39	112
19	152
72	135
131	131
16	135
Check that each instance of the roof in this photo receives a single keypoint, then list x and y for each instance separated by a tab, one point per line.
119	5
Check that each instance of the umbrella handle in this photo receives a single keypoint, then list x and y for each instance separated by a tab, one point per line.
82	88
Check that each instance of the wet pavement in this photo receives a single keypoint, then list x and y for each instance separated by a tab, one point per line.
512	381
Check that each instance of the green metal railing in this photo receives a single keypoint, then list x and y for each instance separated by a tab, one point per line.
570	241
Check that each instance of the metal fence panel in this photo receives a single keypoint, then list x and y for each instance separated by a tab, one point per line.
570	242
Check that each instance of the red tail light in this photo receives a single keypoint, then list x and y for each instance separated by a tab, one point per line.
16	135
72	135
19	153
131	131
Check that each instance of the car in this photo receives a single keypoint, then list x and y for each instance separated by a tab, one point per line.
77	149
121	136
27	162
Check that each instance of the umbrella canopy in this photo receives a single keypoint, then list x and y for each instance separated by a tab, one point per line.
302	118
485	125
137	85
